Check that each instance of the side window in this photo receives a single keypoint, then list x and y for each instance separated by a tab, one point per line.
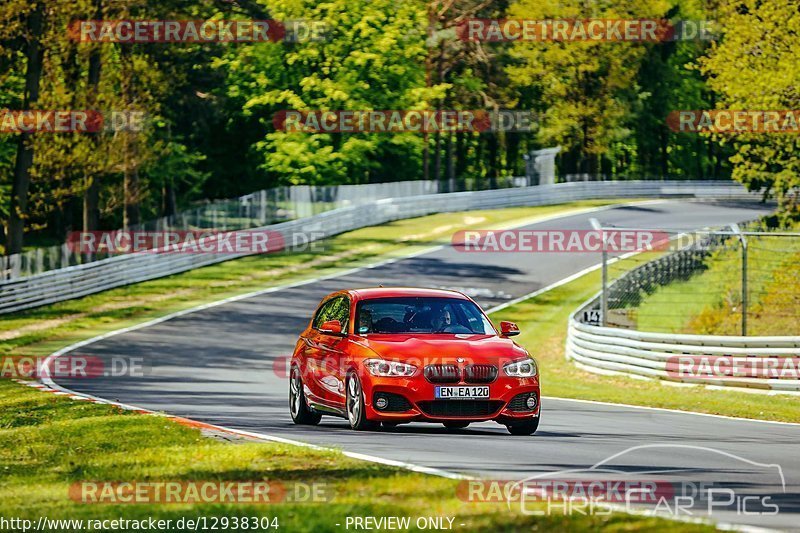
341	311
321	315
334	309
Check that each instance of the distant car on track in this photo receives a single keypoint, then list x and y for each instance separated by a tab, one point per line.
397	355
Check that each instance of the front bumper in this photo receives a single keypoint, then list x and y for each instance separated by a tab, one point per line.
423	407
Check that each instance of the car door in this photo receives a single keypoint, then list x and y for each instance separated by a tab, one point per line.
325	351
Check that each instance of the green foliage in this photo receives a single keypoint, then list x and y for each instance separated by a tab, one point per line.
756	66
210	106
369	60
605	102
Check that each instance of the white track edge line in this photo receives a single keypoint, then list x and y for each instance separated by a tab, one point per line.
47	380
346	272
371	458
419	468
261	436
677	411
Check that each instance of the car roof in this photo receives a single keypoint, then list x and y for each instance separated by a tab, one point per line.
399	292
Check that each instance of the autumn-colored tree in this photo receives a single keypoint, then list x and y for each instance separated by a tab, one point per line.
210	105
593	95
756	66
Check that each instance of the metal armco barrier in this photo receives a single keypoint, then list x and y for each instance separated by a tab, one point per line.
762	364
81	280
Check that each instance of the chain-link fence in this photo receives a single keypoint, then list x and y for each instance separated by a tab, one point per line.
733	282
83	279
255	210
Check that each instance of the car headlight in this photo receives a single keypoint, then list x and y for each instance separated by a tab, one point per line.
521	369
379	367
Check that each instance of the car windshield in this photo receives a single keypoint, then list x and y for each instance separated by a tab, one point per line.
421	315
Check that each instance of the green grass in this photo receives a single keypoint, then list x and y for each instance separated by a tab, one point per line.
41	331
48	443
543	321
710	302
668	308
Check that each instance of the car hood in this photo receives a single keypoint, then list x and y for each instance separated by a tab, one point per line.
437	348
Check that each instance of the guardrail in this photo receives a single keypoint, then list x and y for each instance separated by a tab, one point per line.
257	209
759	363
81	280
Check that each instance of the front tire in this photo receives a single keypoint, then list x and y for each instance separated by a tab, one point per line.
298	407
526	428
354	404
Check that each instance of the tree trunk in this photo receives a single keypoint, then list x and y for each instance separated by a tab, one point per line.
91	209
430	31
426	156
461	161
168	202
24	161
130	184
450	168
478	183
437	169
437	156
665	153
66	212
513	159
91	193
130	215
491	169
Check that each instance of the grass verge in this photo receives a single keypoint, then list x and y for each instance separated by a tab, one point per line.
49	443
710	302
543	322
41	331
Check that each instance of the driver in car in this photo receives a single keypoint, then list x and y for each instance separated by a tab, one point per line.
365	321
444	321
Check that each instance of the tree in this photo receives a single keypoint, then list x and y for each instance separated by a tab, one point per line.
474	77
756	66
32	49
587	90
372	59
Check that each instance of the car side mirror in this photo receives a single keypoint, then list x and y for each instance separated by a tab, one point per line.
508	329
331	327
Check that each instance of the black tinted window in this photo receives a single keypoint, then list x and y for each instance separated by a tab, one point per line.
421	315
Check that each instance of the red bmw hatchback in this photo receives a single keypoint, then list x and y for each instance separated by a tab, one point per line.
397	355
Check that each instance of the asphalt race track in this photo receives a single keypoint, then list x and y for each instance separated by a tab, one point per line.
216	365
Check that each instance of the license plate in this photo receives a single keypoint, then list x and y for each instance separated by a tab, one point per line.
461	393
